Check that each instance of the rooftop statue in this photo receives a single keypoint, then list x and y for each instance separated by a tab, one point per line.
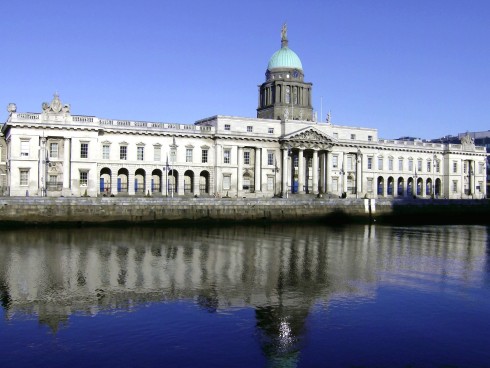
284	32
284	35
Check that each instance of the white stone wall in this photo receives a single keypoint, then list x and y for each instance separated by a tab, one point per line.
318	143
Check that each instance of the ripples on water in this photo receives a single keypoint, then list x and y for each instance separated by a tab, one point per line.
246	297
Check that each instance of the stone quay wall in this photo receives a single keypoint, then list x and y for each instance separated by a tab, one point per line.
25	211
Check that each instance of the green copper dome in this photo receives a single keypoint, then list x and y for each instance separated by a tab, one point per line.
285	58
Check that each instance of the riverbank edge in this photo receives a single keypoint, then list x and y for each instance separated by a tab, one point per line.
18	212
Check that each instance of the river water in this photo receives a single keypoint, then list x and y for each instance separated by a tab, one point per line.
276	296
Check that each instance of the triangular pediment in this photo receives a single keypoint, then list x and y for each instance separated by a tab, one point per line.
308	135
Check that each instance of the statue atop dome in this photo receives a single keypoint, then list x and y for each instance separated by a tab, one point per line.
284	35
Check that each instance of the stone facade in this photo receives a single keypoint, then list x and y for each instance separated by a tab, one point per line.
55	153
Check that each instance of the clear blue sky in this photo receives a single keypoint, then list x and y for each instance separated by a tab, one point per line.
417	68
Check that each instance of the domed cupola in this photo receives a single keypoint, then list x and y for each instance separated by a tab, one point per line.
284	58
285	95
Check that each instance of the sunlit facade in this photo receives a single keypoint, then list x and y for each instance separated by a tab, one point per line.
283	152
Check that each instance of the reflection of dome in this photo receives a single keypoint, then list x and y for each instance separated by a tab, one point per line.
285	58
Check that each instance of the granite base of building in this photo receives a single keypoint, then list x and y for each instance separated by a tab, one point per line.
24	212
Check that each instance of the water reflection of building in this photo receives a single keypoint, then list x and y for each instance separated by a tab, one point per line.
280	271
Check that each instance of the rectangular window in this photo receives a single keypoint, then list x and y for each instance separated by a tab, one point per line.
400	164
83	150
380	163
123	152
157	153
410	165
24	148
204	156
455	186
480	168
53	179
246	157
465	165
250	129
227	156
226	182
83	178
173	155
227	127
53	150
140	153
390	164
370	138
352	136
271	130
270	158
24	176
335	184
419	165
188	155
105	151
438	166
455	167
429	164
370	163
335	161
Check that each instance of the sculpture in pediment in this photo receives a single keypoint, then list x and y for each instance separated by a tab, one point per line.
310	136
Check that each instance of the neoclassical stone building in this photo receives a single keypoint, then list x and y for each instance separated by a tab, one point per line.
282	152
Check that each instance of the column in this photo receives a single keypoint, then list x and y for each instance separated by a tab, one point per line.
66	166
343	176
301	171
131	183
321	179
328	174
42	169
239	180
258	171
472	178
218	178
195	183
314	165
284	171
359	175
113	181
148	177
